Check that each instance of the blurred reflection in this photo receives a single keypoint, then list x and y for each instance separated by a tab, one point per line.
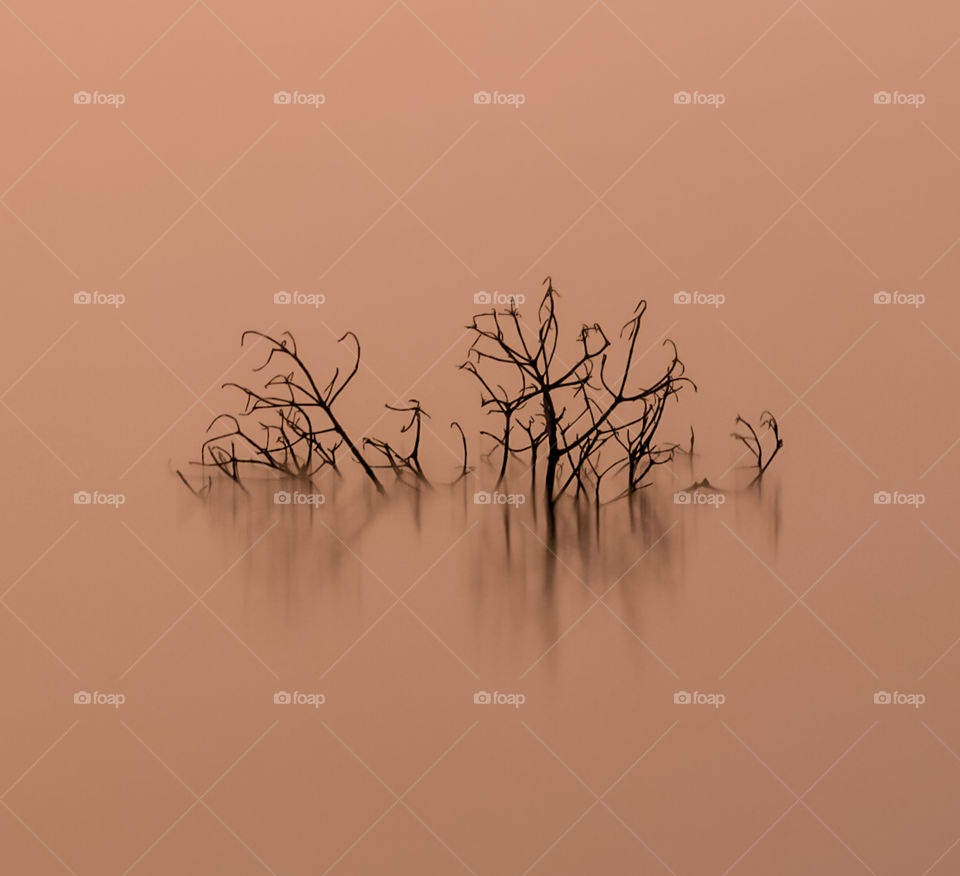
330	545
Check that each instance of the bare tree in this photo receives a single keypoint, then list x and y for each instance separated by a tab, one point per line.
403	463
574	410
752	440
299	434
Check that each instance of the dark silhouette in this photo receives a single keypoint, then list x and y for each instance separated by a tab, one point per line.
398	462
288	441
752	441
591	421
591	418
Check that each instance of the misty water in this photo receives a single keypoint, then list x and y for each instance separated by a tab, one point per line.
348	679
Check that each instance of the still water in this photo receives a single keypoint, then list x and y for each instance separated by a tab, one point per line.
319	679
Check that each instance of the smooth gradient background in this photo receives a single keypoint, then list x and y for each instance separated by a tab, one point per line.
397	199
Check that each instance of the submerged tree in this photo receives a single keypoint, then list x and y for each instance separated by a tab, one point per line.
295	430
577	425
404	463
753	443
589	416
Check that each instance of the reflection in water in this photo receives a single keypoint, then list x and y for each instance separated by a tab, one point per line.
507	576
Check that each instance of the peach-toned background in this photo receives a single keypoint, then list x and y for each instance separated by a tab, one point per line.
398	199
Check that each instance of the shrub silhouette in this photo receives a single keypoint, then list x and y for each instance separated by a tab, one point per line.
590	421
752	440
575	425
289	441
398	462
